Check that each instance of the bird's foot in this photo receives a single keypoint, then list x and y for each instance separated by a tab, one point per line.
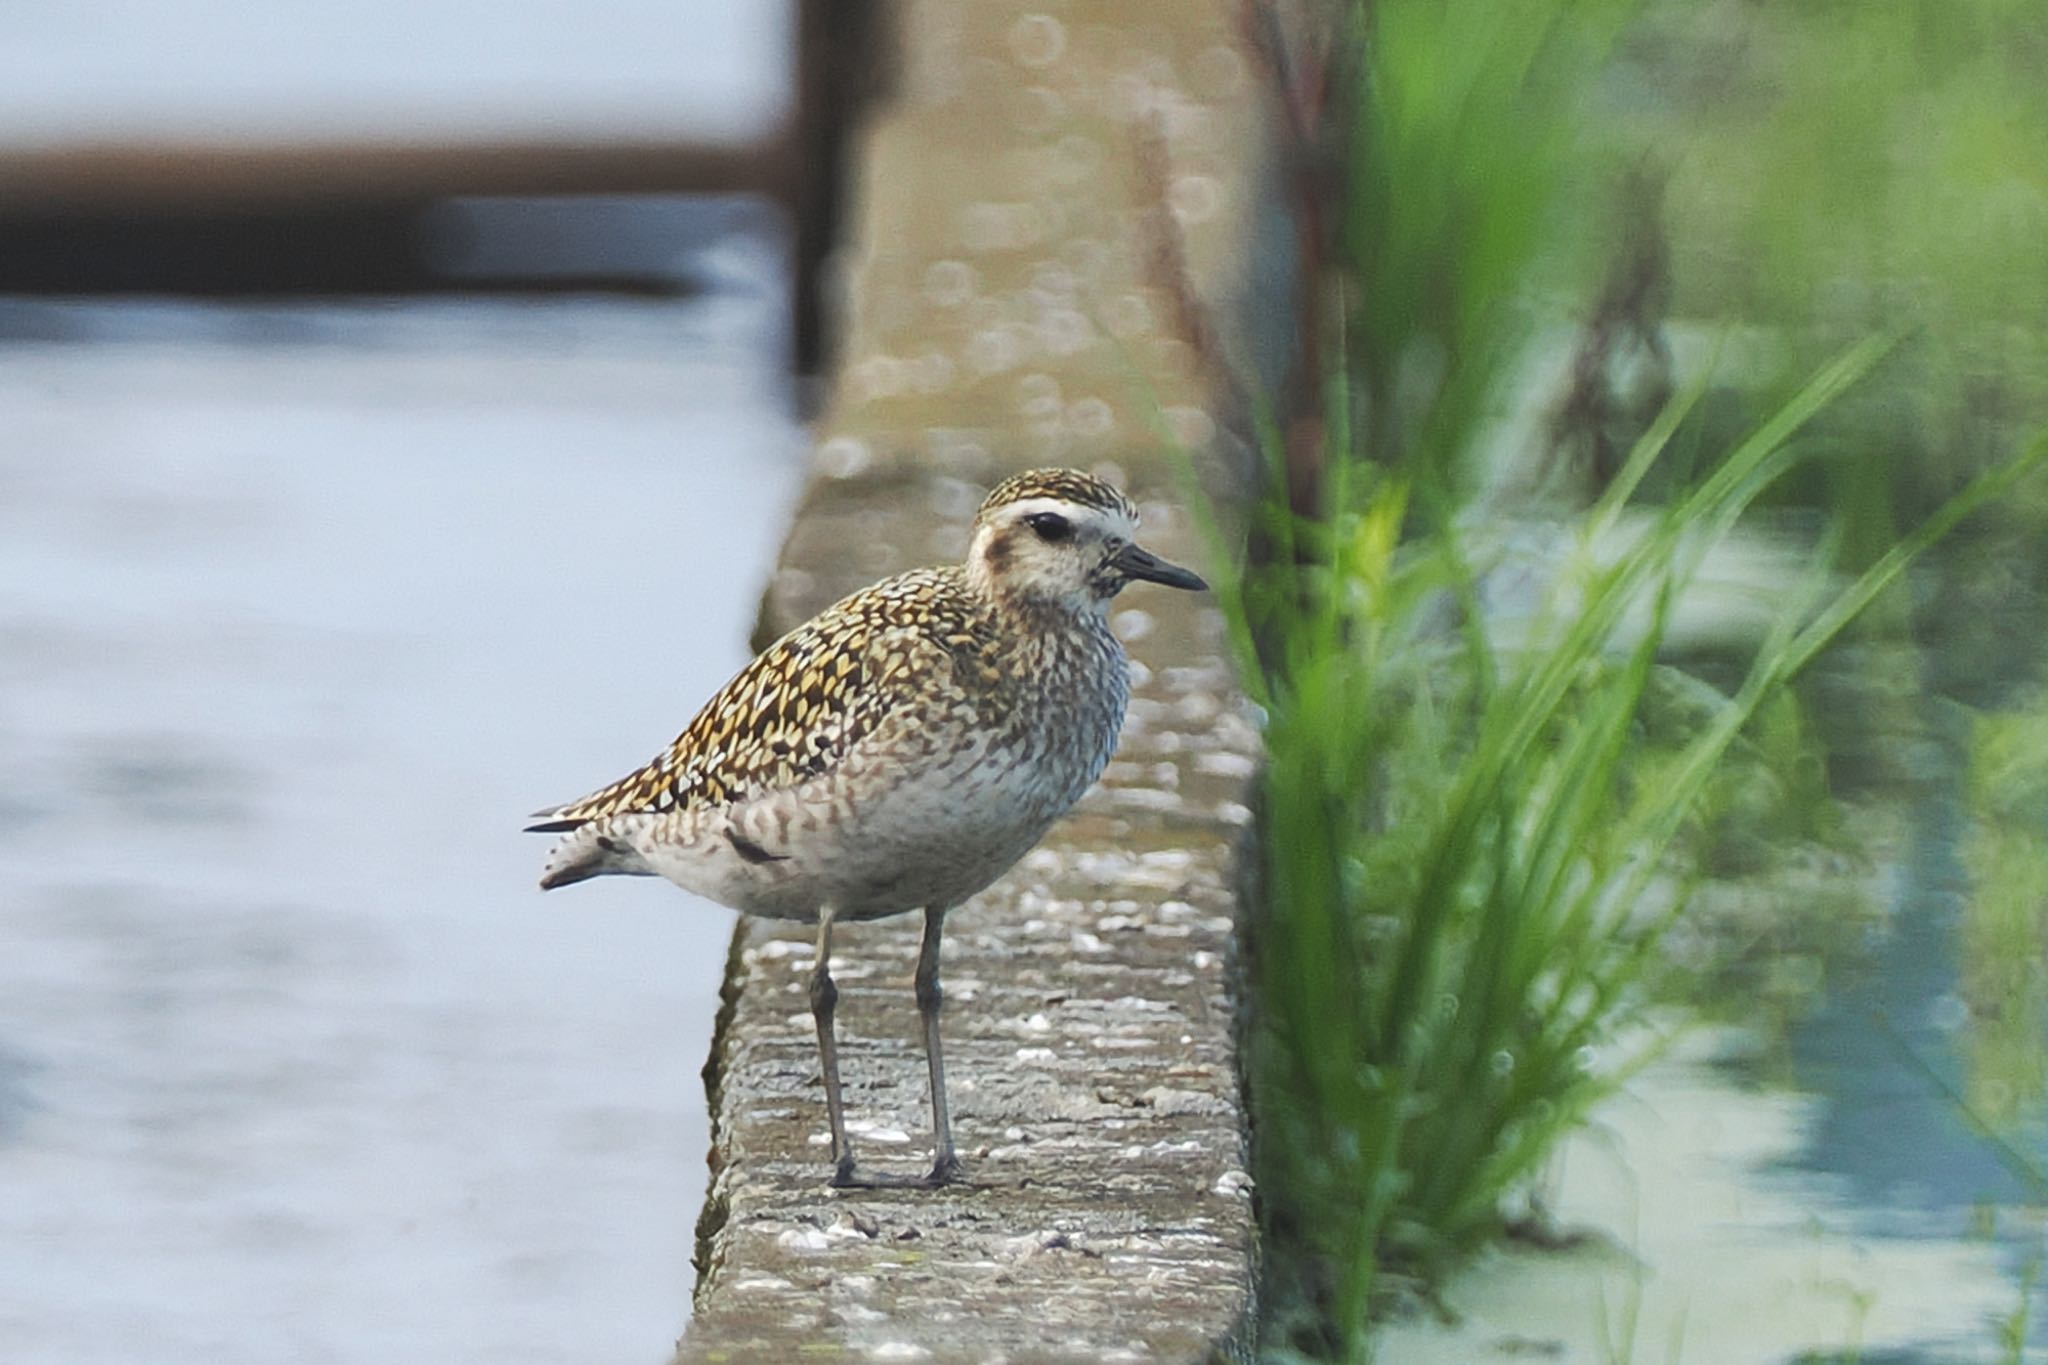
946	1171
873	1180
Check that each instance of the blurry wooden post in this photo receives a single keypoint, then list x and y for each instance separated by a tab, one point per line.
340	217
844	61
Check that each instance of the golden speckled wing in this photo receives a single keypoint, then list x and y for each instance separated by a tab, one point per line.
793	712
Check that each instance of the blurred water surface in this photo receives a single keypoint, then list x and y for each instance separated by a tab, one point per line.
301	610
245	70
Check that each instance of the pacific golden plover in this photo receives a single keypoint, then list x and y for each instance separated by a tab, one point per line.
897	752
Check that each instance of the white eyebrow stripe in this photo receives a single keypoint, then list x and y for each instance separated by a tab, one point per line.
1117	523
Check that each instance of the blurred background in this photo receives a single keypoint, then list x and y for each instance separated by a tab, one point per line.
398	405
368	375
1660	337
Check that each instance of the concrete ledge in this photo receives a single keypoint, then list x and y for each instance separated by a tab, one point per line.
1032	206
1089	1022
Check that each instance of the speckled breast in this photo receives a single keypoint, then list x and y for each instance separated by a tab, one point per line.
958	825
941	810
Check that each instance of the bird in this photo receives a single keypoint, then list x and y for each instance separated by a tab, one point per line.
899	751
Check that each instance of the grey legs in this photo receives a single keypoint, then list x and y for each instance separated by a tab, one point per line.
945	1165
825	998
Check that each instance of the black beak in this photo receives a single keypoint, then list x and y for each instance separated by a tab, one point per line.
1134	562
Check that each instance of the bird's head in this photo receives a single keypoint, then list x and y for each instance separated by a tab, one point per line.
1058	537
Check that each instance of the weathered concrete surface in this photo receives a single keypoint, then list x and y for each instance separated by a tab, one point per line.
1089	1020
1012	302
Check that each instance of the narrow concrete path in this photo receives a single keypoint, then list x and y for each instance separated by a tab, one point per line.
1024	207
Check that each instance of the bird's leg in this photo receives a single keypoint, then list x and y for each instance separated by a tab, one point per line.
945	1165
824	996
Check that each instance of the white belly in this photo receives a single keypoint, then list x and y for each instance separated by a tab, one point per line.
871	840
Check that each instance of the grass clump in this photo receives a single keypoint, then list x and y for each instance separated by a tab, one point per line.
1463	864
1465	872
1466	838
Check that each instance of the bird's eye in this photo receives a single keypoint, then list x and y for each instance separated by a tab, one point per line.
1050	526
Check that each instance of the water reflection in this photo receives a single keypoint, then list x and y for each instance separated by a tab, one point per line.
1884	1126
1924	1059
1803	1180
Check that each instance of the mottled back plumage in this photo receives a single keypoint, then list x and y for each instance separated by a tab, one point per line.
794	711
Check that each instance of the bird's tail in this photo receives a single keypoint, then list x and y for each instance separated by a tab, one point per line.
597	848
